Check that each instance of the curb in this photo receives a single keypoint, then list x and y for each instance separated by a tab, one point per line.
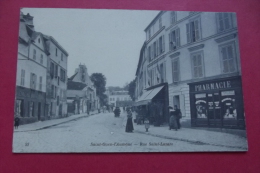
48	126
192	141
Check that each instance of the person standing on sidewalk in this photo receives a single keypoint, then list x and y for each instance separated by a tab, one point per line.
16	122
178	115
129	124
173	119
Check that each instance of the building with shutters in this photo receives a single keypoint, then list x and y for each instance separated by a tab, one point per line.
31	73
196	56
56	89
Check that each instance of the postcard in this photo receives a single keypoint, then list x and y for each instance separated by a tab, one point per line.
99	81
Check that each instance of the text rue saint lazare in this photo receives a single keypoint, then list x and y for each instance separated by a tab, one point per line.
213	86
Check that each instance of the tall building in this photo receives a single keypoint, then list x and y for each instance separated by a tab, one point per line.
57	62
195	55
31	73
119	98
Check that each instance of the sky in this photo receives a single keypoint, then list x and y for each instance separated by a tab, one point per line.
106	41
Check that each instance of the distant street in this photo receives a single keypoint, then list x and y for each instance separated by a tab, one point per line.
101	133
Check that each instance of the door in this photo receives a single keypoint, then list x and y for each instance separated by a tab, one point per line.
214	109
39	111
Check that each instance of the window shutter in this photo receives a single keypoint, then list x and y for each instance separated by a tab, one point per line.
177	37
35	82
197	29
152	51
170	40
163	44
188	32
157	49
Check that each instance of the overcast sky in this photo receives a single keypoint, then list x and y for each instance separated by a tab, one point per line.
106	41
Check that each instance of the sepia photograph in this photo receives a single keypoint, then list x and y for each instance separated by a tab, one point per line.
109	81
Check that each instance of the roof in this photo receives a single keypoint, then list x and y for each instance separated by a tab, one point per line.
72	77
140	58
156	17
47	37
75	85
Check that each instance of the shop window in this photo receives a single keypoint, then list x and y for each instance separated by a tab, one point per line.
174	39
228	105
228	58
197	65
201	105
19	108
224	21
31	109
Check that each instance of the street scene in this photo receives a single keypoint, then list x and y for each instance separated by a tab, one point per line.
128	81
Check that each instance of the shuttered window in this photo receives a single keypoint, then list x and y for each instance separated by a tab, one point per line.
174	39
228	58
193	31
197	65
175	69
224	21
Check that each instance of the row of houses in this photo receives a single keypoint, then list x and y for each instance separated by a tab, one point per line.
42	84
192	60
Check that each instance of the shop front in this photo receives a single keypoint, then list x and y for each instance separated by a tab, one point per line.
153	104
217	103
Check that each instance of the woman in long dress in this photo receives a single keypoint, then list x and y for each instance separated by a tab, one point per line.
129	124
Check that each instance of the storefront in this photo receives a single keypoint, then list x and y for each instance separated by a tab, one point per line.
217	103
153	104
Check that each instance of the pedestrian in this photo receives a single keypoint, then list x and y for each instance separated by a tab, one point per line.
178	115
173	120
16	122
129	124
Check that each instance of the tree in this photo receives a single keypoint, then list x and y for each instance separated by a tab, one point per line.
131	89
99	81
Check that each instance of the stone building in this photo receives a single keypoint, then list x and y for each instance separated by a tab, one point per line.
57	62
196	56
31	73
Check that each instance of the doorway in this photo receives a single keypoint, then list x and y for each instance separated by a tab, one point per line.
214	109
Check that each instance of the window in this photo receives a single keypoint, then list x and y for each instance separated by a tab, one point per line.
39	40
149	33
62	75
154	49
22	77
31	109
52	70
40	83
33	81
161	45
175	70
53	91
19	108
193	31
162	73
34	54
56	52
61	56
224	21
56	70
160	23
174	39
41	59
228	58
197	65
149	53
173	17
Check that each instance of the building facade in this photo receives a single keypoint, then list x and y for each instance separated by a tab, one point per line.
31	73
197	55
57	62
81	92
119	98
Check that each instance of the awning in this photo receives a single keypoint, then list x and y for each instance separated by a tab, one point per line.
148	96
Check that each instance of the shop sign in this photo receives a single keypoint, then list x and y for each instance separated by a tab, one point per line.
213	86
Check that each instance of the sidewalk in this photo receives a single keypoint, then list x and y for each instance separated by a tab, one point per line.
49	123
195	136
